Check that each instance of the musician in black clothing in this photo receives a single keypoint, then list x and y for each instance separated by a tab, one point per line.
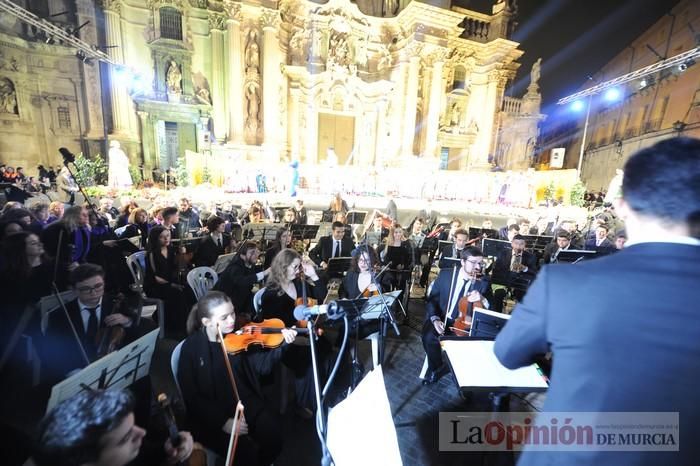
452	251
283	240
137	226
162	281
334	245
358	280
208	393
189	218
398	253
515	268
562	242
215	244
300	212
238	278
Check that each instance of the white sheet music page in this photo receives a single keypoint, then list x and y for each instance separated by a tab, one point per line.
360	428
475	365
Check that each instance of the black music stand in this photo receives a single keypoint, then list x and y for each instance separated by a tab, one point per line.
574	256
493	247
302	232
355	217
337	266
479	232
487	324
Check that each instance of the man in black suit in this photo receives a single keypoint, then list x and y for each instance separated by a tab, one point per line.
214	245
562	242
515	268
450	254
240	275
623	328
601	244
448	289
90	312
334	245
429	215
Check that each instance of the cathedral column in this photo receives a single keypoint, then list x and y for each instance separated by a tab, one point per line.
218	92
398	76
434	103
121	102
409	122
380	149
270	72
236	117
148	143
486	136
91	73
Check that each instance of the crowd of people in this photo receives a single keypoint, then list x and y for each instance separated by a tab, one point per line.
50	248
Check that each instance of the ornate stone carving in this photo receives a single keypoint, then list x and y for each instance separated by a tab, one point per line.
269	18
384	59
8	97
217	21
203	96
298	44
233	10
203	4
535	75
252	53
112	5
160	3
434	55
414	49
252	97
10	64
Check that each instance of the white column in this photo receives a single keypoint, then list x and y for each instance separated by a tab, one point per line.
485	137
235	75
218	94
380	149
270	74
121	102
409	124
293	125
433	120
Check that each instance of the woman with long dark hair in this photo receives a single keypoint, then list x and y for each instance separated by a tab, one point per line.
283	240
161	280
207	390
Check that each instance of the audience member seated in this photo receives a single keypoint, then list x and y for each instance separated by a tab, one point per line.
56	210
68	240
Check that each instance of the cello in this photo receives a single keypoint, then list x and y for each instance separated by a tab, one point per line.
463	321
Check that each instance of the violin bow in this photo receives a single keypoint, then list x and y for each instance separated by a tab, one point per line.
235	429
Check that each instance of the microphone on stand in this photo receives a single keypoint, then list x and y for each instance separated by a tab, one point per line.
331	310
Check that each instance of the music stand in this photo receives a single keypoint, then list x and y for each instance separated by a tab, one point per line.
356	217
375	306
574	256
257	232
302	232
493	247
115	370
337	266
475	368
487	324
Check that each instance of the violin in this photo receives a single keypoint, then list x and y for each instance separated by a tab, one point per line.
266	334
304	300
109	339
463	322
368	294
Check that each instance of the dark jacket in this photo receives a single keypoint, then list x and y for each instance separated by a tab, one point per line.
208	251
617	347
237	282
440	292
323	251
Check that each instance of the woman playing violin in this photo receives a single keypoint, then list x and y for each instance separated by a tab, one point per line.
292	279
208	394
358	281
289	276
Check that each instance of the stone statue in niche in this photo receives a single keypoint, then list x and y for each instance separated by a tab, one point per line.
174	78
8	97
252	53
455	115
384	61
252	95
298	44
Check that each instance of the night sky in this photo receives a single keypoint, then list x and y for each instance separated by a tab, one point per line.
575	38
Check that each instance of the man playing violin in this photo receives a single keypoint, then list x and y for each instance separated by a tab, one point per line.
209	395
92	313
449	288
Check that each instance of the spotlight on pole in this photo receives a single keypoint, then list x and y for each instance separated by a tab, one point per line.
577	105
612	94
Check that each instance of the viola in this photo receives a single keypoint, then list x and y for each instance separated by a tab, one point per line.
266	334
463	322
368	294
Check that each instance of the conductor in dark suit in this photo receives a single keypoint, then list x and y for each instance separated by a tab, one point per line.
90	312
622	328
334	245
515	268
438	318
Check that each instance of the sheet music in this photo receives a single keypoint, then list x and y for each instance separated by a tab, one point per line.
475	365
119	365
364	419
375	306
